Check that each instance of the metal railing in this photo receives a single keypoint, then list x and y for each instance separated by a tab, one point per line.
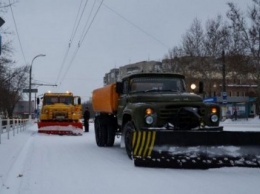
11	127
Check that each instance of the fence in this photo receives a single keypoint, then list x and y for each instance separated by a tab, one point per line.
11	127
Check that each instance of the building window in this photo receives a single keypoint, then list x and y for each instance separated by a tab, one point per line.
112	75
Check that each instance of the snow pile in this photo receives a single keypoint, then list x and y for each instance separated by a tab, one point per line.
250	124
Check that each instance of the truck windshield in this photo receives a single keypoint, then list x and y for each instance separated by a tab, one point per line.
55	99
161	84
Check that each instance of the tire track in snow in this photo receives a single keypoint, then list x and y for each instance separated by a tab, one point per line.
15	175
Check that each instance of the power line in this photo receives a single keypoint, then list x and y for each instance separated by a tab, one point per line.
137	27
71	61
63	63
84	29
73	33
41	84
87	28
81	41
80	18
5	6
16	29
74	26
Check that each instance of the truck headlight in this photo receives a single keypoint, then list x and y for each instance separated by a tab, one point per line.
214	110
149	120
214	118
148	111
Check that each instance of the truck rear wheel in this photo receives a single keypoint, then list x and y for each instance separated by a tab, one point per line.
129	128
100	132
110	135
104	132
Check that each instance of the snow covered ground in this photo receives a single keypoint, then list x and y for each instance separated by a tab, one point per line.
32	163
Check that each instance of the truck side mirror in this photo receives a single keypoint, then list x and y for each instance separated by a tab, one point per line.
38	101
79	100
119	87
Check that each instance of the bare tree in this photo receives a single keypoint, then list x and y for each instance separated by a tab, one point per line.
215	42
199	56
196	58
5	76
237	54
205	47
254	43
245	47
173	61
193	40
12	79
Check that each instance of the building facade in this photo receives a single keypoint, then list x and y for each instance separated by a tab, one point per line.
21	109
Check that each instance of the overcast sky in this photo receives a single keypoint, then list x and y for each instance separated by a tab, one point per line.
122	32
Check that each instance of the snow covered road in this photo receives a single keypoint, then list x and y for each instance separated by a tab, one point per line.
32	163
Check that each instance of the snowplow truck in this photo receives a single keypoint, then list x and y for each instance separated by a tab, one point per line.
163	125
60	114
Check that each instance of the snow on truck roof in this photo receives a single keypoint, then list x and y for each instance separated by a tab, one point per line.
176	75
59	94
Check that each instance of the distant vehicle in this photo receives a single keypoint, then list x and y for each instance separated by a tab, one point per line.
60	114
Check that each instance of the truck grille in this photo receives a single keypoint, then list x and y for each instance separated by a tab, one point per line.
182	117
60	115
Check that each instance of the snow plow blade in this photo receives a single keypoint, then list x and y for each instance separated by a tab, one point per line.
196	149
60	128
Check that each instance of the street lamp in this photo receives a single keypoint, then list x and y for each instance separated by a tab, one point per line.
193	87
30	83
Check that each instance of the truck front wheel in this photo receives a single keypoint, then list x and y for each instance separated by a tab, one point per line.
129	128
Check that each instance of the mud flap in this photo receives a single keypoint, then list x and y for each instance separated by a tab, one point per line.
60	128
196	149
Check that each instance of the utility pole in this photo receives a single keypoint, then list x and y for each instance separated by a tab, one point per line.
224	92
223	72
258	74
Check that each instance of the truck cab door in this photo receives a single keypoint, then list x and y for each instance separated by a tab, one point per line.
78	106
122	101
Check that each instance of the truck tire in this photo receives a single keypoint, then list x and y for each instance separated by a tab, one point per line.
129	128
100	132
110	135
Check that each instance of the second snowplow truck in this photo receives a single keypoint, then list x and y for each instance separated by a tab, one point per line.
60	114
161	124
